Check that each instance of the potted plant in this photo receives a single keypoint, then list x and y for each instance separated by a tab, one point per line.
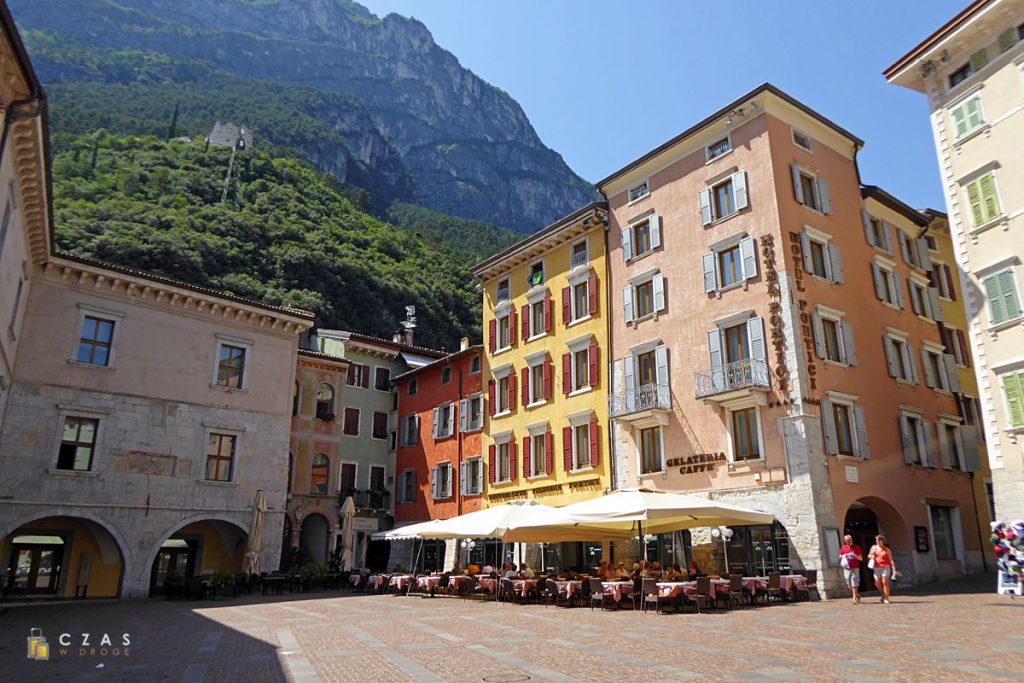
221	580
311	572
174	585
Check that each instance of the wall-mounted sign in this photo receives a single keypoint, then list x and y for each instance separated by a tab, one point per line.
775	327
921	538
852	475
699	462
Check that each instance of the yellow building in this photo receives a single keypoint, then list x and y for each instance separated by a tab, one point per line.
545	328
955	337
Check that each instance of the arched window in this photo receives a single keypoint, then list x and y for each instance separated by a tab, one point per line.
325	402
295	400
320	474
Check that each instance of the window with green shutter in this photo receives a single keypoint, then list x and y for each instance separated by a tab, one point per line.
983	200
1013	386
967	117
1001	292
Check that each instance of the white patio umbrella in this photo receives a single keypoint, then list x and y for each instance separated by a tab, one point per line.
404	533
348	513
495	522
256	521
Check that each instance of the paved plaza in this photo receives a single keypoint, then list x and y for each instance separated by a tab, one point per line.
957	632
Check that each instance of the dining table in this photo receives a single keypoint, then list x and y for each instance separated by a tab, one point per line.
355	579
569	587
488	584
376	581
399	581
524	586
617	589
427	582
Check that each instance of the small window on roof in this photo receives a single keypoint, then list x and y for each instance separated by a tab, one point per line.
641	190
718	148
802	140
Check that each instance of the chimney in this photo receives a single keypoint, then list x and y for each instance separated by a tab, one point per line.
398	337
464	344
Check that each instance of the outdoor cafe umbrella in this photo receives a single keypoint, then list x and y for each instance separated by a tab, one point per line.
348	513
495	522
256	520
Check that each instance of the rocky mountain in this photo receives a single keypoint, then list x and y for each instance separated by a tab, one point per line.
465	147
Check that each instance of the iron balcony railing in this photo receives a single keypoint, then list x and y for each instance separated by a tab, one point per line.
645	397
742	374
578	260
365	499
504	294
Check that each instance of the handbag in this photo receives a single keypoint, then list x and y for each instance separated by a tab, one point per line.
845	562
871	563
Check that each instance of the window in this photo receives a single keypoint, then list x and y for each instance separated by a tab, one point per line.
844	427
641	237
77	444
504	290
471	413
811	190
924	300
505	331
538	454
640	191
646	368
717	148
723	199
580	301
983	200
407	486
536	277
380	426
915	433
581	369
325	402
645	297
220	456
960	75
746	444
729	264
581	446
737	344
392	440
472	476
900	358
230	366
1001	294
914	251
951	446
414	386
967	116
347	483
446	376
802	140
441	481
443	421
536	380
580	255
382	379
1013	390
95	343
504	386
820	256
319	475
954	342
939	370
358	375
941	277
942	531
351	424
650	451
410	430
579	298
537	317
831	335
887	285
474	365
504	461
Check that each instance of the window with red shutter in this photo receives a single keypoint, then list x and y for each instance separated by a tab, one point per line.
566	305
549	451
566	373
492	335
490	397
512	390
965	350
512	460
592	293
525	314
527	464
949	281
567	448
491	472
592	361
547	379
594	441
512	327
547	314
525	382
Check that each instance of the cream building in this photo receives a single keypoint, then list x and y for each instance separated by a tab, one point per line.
972	70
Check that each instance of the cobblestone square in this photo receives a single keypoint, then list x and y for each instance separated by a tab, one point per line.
958	632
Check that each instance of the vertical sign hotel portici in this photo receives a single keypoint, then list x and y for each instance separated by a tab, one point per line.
771	276
805	317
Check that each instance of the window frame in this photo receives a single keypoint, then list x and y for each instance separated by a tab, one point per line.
952	519
538	456
355	475
232	460
471	463
409	427
962	105
586	252
542	262
892	284
407	486
503	460
634	193
376	373
921	441
327	478
344	420
580	461
446	375
102	314
443	493
442	423
731	411
97	420
794	132
333	403
413	387
978	177
245	346
498	289
503	319
727	139
475	364
994	275
660	449
373	424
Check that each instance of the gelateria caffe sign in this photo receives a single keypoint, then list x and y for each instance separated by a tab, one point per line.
699	462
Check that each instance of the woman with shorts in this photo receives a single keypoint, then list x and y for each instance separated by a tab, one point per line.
881	560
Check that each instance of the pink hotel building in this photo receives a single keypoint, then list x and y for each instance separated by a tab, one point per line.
774	344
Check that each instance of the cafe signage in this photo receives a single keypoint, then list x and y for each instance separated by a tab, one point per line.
699	462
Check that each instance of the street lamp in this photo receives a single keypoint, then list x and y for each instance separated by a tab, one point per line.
724	533
468	545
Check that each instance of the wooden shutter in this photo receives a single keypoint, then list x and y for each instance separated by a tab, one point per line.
929	442
654	227
464	415
748	256
492	473
965	351
627	304
923	257
547	314
849	349
1013	387
434	422
798	190
945	457
490	397
527	456
512	327
887	235
548	379
351	375
463	479
704	198
629	379
658	287
549	451
525	385
592	295
451	421
979	59
863	448
952	375
434	493
512	390
566	305
828	428
869	235
1009	290
977	208
897	289
824	196
365	376
914	301
935	307
891	356
877	275
525	322
819	335
996	306
710	262
989	199
661	366
835	263
567	448
716	359
959	116
492	335
908	439
930	379
972	458
593	369
566	373
594	445
911	363
512	459
739	189
805	248
627	243
415	429
948	272
904	245
755	336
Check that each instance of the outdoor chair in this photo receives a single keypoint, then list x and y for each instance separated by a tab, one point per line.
507	591
636	595
649	594
444	583
703	594
548	594
734	594
774	589
596	592
809	588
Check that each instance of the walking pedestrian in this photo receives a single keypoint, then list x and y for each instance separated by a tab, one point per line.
852	556
880	559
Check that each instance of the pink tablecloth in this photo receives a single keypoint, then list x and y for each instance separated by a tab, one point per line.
524	586
355	579
617	589
488	584
376	580
400	581
569	588
791	581
427	582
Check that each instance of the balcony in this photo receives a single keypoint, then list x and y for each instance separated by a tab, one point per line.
579	260
732	380
641	402
365	500
504	294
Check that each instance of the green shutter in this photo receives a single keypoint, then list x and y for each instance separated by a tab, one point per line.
959	116
978	60
1013	385
972	109
996	309
989	200
974	201
1008	288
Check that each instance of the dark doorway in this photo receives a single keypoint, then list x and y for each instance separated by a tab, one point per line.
759	550
35	564
175	555
862	524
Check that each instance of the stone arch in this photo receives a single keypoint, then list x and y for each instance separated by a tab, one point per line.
151	552
314	535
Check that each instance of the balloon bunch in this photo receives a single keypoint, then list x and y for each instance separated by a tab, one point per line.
1008	542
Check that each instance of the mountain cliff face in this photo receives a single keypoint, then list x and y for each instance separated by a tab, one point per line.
467	148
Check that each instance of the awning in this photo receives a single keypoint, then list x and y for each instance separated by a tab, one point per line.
405	532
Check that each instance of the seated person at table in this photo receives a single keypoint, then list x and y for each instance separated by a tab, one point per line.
673	573
653	570
638	569
693	571
472	569
525	570
457	570
488	569
620	571
509	571
604	570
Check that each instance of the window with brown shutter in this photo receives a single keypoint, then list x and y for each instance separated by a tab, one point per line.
351	423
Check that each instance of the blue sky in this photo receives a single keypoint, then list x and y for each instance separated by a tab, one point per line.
603	82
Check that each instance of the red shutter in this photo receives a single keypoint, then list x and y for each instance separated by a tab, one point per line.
491	472
547	379
366	376
512	459
593	355
526	322
526	457
492	335
526	386
592	294
594	458
547	314
549	451
512	327
949	281
566	373
490	398
965	350
566	305
567	448
512	390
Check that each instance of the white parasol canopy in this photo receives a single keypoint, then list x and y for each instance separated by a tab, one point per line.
255	540
406	532
348	513
495	522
